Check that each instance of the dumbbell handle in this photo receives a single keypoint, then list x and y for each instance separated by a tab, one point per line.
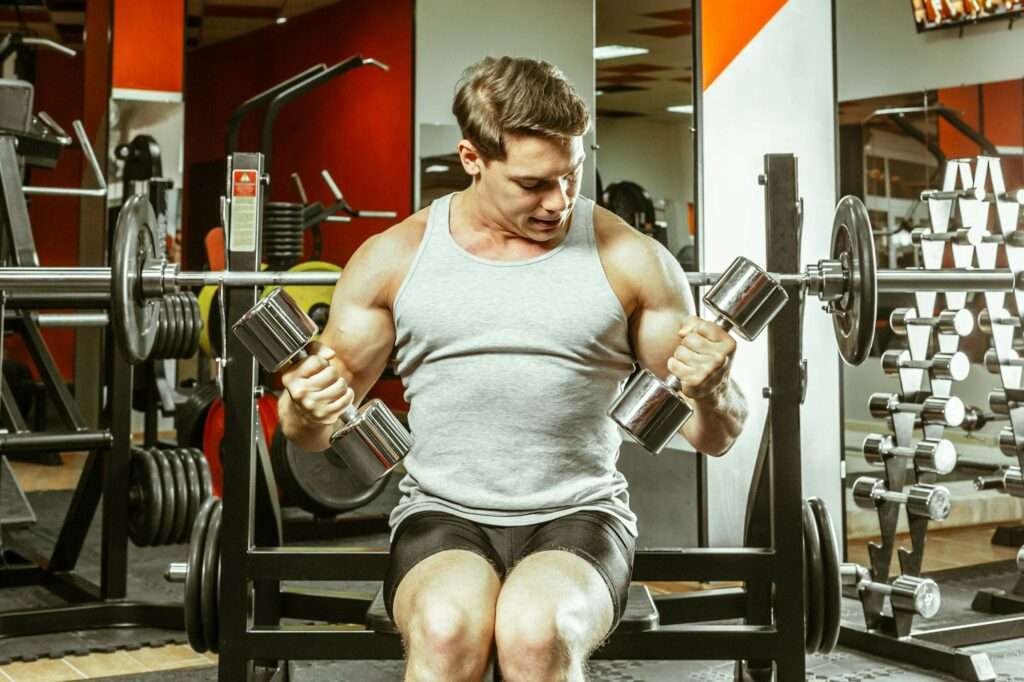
988	483
971	236
1017	196
673	381
350	413
976	193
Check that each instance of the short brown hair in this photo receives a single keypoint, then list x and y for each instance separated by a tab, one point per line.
497	96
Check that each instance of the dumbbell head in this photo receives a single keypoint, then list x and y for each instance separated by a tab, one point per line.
1020	560
1013	481
1008	443
898	319
880	403
998	403
992	363
916	595
893	359
275	330
852	575
747	297
938	455
930	501
954	366
874	447
957	322
986	316
947	410
865	491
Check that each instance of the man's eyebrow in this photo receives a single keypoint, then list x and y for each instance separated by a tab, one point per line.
533	178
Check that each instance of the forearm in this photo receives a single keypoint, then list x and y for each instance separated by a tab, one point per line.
717	420
308	435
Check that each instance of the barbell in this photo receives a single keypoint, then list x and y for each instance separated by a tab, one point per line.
848	281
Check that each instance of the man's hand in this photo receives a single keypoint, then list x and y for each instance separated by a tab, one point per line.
703	359
317	390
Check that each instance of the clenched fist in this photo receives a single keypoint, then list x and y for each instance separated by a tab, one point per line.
703	358
316	387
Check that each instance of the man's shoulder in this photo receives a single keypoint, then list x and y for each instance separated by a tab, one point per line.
623	248
401	239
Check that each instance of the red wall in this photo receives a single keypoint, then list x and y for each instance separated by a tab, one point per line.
358	126
149	45
997	110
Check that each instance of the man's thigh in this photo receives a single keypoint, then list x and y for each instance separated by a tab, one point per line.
440	557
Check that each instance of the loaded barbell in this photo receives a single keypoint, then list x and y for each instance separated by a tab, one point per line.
847	281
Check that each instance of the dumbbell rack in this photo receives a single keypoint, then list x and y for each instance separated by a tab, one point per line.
890	634
254	644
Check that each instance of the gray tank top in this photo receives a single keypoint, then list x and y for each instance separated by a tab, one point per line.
509	368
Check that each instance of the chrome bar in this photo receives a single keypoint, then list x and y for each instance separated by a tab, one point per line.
892	281
70	280
64	192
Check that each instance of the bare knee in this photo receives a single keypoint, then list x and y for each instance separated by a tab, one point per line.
549	643
446	640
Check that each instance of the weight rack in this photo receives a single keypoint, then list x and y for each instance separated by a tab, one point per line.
254	644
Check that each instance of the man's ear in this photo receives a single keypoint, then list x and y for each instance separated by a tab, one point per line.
471	160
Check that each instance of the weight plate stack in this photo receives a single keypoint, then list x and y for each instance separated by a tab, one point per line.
814	580
194	627
832	594
145	499
169	489
282	234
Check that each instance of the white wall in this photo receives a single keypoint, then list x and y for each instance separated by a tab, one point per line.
658	155
776	96
452	34
879	51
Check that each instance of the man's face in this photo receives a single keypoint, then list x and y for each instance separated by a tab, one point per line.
532	192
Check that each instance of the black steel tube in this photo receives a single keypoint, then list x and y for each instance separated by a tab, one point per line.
55	442
77	300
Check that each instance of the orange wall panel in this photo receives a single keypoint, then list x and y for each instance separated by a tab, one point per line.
149	44
727	26
963	99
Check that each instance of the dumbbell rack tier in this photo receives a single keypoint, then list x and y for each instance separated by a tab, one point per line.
105	472
254	643
889	632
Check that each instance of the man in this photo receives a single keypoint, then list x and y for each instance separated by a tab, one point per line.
516	309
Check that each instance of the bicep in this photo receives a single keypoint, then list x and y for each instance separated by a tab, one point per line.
360	328
663	302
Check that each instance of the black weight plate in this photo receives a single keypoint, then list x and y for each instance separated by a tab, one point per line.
324	485
205	480
163	537
188	325
815	579
832	583
194	487
179	336
854	315
190	415
179	526
210	596
288	488
144	518
134	318
194	579
161	330
197	323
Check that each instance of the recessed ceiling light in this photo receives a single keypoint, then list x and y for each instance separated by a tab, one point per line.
617	51
680	109
598	93
436	168
281	20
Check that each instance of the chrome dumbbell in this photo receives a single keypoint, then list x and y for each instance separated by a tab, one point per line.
993	362
1009	444
975	193
745	299
968	236
957	322
954	366
934	455
906	593
1009	480
987	318
1016	196
930	501
370	439
948	410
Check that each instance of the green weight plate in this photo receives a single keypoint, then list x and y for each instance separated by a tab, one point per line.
178	525
323	484
815	579
854	315
144	518
194	486
210	596
134	316
832	595
205	481
194	578
163	537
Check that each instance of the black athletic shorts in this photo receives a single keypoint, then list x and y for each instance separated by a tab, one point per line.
599	538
